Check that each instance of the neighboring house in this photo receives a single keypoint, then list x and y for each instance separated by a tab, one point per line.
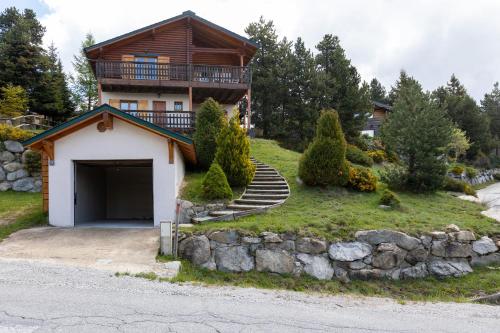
123	162
380	112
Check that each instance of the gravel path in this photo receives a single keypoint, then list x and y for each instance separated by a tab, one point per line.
41	297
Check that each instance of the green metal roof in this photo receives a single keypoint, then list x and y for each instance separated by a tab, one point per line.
112	110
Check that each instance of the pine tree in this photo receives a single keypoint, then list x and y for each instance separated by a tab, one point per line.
404	80
490	105
324	162
419	131
215	185
84	83
14	101
233	154
340	87
377	91
210	121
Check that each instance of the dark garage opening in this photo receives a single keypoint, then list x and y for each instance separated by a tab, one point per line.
114	193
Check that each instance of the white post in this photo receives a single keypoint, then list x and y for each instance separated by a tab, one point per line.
166	237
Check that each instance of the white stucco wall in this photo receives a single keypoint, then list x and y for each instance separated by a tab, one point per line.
123	142
150	97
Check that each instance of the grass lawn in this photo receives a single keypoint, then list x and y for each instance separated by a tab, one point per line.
337	213
20	210
192	189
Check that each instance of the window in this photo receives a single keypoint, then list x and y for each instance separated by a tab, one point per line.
128	105
178	106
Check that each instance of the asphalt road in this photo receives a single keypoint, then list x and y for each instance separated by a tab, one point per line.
40	297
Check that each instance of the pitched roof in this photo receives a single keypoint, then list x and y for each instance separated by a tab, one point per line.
382	105
186	144
186	14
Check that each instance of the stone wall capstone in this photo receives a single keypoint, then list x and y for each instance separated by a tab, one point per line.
13	173
374	254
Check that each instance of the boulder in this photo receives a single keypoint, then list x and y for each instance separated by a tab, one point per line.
349	251
225	237
418	254
250	240
2	174
310	245
451	249
210	265
13	146
452	228
196	249
375	237
287	245
426	241
233	259
317	266
367	274
439	235
37	186
274	261
489	259
7	156
21	173
270	237
24	184
5	186
12	166
415	272
357	264
387	256
452	267
463	236
186	212
484	245
341	275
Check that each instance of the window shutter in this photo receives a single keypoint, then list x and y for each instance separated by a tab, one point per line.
163	60
115	103
163	67
128	57
143	104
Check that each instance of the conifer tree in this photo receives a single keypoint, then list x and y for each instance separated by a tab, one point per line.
84	83
215	185
14	101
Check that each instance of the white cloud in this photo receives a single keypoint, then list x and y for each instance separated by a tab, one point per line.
430	39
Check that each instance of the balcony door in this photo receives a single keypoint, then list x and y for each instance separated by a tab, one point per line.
146	68
159	114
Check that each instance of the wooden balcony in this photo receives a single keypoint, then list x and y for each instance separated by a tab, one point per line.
172	75
181	121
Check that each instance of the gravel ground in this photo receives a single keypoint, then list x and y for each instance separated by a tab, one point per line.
43	297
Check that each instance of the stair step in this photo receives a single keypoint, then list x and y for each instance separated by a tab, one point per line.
268	182
260	196
196	220
223	212
245	207
267	191
268	186
267	178
257	202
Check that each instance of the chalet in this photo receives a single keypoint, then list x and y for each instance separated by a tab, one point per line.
380	112
123	162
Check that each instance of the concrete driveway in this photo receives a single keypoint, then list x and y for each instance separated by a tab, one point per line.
115	250
490	196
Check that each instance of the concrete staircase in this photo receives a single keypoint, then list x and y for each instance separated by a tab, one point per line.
268	189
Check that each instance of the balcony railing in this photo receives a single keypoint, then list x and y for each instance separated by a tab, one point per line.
128	70
175	120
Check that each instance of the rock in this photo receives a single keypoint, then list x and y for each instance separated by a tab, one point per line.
37	186
366	274
21	173
289	235
375	237
12	166
196	249
234	259
452	228
388	256
5	186
270	237
484	245
368	260
451	249
341	275
250	240
426	241
419	254
186	212
2	174
297	269
311	245
225	237
24	184
13	146
172	268
489	259
357	264
317	266
349	251
463	236
210	264
215	206
453	267
7	156
274	261
415	272
440	235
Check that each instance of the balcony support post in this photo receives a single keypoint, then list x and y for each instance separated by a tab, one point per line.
190	90
249	102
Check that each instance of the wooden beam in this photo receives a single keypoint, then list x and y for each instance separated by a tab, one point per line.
249	113
107	118
48	148
215	50
170	151
45	182
99	92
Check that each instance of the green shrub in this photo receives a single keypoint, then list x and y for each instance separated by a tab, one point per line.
362	179
215	185
357	156
455	185
390	198
210	121
33	161
471	172
324	162
457	170
233	154
378	156
496	176
13	133
394	176
482	161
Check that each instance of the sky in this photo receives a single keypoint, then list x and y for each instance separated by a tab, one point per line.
429	39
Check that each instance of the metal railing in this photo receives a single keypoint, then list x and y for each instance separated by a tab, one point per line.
179	120
130	70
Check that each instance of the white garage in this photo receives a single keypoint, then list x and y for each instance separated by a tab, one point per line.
108	168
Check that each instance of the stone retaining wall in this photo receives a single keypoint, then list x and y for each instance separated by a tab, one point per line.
13	174
482	177
374	254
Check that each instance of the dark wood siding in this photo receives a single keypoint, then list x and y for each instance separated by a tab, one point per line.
216	59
